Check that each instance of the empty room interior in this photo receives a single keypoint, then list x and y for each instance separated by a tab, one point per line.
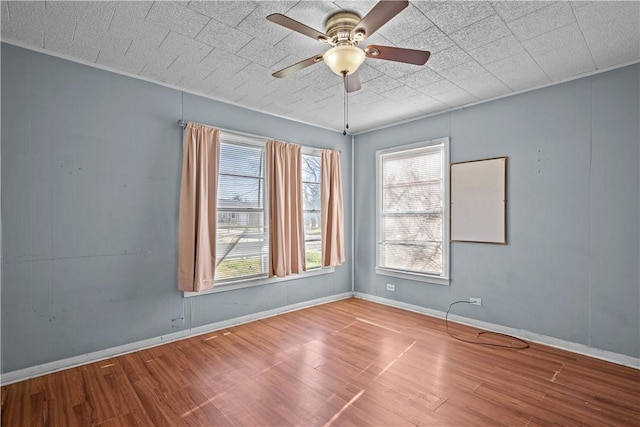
320	213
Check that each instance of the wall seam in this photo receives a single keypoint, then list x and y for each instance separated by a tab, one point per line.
353	216
590	282
185	301
1	253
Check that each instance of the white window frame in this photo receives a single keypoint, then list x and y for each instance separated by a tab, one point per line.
247	282
422	277
245	141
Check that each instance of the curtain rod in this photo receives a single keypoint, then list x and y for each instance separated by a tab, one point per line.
183	124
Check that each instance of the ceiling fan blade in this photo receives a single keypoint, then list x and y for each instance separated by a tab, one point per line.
352	82
298	66
381	13
398	54
294	25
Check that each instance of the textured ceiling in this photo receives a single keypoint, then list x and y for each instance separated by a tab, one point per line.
227	50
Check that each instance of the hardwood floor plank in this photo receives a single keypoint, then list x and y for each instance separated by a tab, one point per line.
342	371
376	414
611	386
470	409
14	403
351	362
128	420
335	412
415	407
190	406
253	404
39	412
152	402
103	397
410	390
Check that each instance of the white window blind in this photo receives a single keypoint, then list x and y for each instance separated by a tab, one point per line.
411	210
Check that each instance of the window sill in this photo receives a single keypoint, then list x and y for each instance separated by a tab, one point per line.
437	280
241	284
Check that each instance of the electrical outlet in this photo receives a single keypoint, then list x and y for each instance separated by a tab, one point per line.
391	287
475	301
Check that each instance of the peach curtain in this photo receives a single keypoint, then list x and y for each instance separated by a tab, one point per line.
198	200
286	225
331	209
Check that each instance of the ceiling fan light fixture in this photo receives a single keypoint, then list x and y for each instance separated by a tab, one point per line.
344	59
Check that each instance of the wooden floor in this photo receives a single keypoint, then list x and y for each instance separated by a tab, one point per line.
350	362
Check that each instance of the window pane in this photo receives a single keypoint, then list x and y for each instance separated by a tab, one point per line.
311	196
311	202
241	245
310	168
412	228
313	254
239	192
414	196
237	268
312	225
234	222
423	259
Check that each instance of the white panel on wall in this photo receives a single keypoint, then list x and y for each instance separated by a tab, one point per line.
478	201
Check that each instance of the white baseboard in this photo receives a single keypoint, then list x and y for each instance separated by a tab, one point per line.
71	362
609	356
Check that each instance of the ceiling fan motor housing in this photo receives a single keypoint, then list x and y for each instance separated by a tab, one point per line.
339	26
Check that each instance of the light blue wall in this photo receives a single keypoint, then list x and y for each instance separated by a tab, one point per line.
571	268
90	182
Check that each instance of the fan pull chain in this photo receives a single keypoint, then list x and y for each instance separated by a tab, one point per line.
345	115
347	92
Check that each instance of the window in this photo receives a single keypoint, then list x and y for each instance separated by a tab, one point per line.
242	241
412	211
311	206
242	246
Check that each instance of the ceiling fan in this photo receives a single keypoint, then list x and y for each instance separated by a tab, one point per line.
343	32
